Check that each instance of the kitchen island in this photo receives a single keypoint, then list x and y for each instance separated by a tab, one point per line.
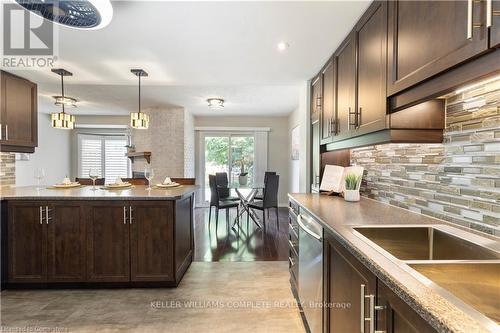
82	237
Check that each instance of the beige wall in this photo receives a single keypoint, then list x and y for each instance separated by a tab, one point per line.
52	154
300	117
278	143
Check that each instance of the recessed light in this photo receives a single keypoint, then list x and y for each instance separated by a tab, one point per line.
215	103
283	46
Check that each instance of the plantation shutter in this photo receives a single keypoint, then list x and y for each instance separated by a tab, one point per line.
115	161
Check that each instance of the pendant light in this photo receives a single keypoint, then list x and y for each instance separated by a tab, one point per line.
62	119
139	120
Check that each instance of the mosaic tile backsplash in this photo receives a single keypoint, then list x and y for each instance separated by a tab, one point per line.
7	169
459	180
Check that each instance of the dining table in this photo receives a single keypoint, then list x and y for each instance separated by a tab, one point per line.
246	194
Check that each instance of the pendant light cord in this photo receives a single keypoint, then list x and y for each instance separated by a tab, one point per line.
62	91
139	93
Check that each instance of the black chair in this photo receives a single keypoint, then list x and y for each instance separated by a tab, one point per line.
88	181
222	182
218	203
270	199
266	174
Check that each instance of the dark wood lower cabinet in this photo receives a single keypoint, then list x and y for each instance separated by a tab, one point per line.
398	317
66	241
27	242
81	242
346	281
357	299
151	241
108	258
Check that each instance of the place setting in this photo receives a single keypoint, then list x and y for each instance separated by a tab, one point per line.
167	183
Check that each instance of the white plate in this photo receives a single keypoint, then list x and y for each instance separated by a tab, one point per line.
168	185
118	185
75	184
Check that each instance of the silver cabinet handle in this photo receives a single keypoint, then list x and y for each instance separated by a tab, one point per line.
489	13
469	19
1	136
47	218
7	132
130	218
41	215
124	215
313	234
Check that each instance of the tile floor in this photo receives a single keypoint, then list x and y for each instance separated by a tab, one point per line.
245	297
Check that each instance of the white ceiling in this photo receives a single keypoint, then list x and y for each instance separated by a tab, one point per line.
196	50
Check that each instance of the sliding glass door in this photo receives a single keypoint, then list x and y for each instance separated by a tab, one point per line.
230	153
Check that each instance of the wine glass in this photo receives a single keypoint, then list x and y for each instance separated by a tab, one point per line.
39	175
149	174
93	174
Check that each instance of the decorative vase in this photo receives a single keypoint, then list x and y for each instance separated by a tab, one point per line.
351	195
243	180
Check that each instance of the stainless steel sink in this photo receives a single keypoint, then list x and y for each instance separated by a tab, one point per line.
477	284
425	243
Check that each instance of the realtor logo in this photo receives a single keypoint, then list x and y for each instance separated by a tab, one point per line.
28	39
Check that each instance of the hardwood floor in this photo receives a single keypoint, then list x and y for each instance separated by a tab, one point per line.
252	243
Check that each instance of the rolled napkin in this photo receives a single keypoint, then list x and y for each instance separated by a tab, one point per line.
66	181
118	181
167	181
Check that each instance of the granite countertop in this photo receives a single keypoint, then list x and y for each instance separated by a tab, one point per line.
338	217
136	192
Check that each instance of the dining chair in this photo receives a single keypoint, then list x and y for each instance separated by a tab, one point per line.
261	196
219	203
88	181
222	182
270	199
184	181
135	181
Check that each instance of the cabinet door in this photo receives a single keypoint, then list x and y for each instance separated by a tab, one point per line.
152	241
346	84
372	58
66	241
422	45
495	24
316	99
19	111
328	117
27	242
398	317
108	241
346	280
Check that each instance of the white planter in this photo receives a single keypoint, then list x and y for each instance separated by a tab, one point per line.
351	195
243	180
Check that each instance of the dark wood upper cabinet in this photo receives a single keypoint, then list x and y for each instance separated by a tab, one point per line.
421	45
346	280
152	241
371	37
66	241
18	115
316	98
108	258
495	23
27	250
328	116
397	316
345	58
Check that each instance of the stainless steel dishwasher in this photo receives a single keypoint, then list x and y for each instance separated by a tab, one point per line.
311	270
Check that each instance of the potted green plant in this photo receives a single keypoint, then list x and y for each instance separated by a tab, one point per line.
243	178
351	191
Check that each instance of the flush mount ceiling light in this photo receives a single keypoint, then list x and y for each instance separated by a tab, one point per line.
215	103
62	119
139	120
283	46
78	14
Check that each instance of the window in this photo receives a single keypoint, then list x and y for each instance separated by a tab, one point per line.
106	153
